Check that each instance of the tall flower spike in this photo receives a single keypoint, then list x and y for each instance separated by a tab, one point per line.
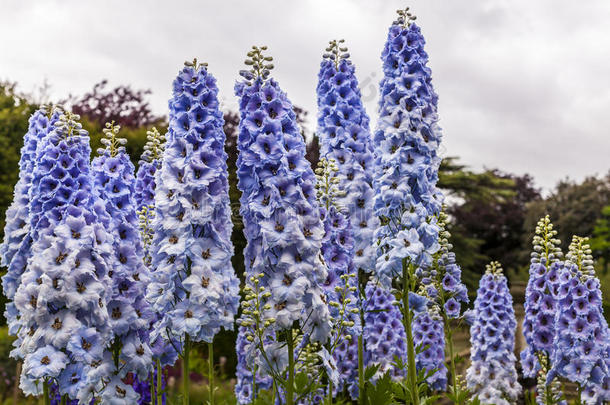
406	145
340	286
540	305
16	247
429	333
582	341
281	219
492	375
150	162
194	286
383	331
345	137
130	314
65	287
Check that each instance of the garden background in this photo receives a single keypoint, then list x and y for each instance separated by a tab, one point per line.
493	211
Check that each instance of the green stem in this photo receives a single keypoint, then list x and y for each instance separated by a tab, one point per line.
159	384
185	370
290	387
45	393
361	396
449	339
211	371
64	399
412	373
579	395
330	392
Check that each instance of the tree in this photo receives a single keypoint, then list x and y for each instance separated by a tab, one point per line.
573	207
127	107
600	242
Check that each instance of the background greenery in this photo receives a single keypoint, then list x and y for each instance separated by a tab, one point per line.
493	213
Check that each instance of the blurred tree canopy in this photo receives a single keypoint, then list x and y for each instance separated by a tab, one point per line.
600	242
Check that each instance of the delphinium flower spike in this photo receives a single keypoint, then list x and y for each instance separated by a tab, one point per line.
65	287
149	163
340	286
281	223
345	137
130	315
429	335
492	375
15	249
443	287
194	286
406	141
540	309
582	341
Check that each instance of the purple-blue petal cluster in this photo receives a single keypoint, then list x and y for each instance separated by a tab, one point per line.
149	163
278	205
194	286
406	143
16	246
63	295
129	312
428	331
383	332
345	137
492	375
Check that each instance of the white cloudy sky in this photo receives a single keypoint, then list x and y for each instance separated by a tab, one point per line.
524	85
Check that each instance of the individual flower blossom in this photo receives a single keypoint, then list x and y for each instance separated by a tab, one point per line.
345	137
281	217
428	331
149	163
129	313
540	309
582	341
194	288
340	286
492	375
383	331
71	254
406	140
15	249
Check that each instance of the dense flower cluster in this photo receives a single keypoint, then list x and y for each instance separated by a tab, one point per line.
428	331
442	283
130	314
492	375
343	128
16	247
149	163
383	331
340	286
194	287
406	142
278	206
65	287
540	305
582	342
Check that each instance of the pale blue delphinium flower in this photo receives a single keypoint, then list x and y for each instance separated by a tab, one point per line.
492	375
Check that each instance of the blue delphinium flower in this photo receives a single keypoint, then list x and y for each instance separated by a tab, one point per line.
149	163
194	286
582	339
406	143
428	331
130	314
540	309
281	222
16	247
343	128
340	286
492	375
383	331
65	287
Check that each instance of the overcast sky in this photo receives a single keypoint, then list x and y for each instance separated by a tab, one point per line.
524	85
